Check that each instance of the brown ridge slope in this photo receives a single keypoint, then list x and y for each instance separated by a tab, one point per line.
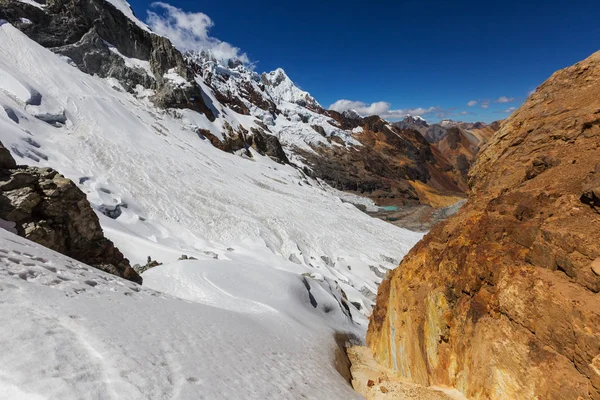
501	301
461	146
392	166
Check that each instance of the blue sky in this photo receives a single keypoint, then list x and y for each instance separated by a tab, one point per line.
428	56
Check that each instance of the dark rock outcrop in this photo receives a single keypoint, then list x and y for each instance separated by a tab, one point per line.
47	208
93	56
459	142
269	145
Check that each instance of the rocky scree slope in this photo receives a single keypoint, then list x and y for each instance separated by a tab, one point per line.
501	300
45	207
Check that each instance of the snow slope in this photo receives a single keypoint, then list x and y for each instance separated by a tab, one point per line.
283	261
175	192
70	331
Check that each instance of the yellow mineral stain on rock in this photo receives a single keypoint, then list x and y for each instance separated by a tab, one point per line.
376	382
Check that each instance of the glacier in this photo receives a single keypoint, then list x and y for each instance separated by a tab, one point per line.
270	242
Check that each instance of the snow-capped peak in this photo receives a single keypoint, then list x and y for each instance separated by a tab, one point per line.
352	114
418	118
447	122
281	88
278	76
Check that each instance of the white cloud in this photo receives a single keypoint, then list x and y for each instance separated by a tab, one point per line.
504	99
472	103
531	92
465	113
381	108
190	31
485	104
510	109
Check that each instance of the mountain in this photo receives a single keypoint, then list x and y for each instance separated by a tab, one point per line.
267	112
458	142
161	189
501	300
368	156
409	122
198	165
275	264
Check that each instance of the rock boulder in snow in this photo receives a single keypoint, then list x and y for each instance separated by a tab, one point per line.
49	209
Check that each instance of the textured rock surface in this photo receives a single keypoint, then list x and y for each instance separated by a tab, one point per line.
47	208
501	301
375	382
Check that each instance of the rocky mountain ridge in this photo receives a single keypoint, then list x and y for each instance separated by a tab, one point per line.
501	300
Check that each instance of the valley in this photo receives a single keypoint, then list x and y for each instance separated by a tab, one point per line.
175	224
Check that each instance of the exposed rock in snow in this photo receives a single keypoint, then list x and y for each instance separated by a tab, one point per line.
50	210
94	55
351	114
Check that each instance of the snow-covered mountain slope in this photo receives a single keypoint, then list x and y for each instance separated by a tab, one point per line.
169	188
70	331
366	155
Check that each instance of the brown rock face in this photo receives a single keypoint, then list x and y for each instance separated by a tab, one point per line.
461	144
501	301
47	208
